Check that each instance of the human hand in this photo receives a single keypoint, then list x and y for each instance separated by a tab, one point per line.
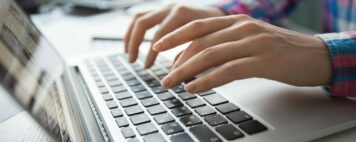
169	18
242	47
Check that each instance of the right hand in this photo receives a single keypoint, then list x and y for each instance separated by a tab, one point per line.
169	18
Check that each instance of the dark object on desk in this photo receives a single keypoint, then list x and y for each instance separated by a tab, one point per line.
101	4
83	11
31	6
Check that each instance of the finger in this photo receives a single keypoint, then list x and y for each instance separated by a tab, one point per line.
233	70
233	33
206	59
151	57
173	21
139	29
128	33
192	31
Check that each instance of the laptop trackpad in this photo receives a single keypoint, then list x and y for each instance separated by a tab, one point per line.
306	111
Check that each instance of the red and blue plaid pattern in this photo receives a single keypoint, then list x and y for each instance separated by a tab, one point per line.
339	27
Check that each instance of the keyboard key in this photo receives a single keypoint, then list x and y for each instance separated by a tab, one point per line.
172	128
133	82
138	88
111	77
142	73
159	72
143	95
178	89
207	93
123	95
238	116
114	83
227	108
158	90
190	120
146	128
132	110
205	110
184	137
108	73
215	120
186	96
96	78
121	68
117	89
229	132
155	68
147	78
128	102
115	61
107	97
193	103
133	140
123	72
156	137
128	132
163	118
116	112
128	77
139	119
215	99
181	111
204	134
149	102
103	90
100	84
173	103
153	83
138	69
157	109
111	104
165	96
252	127
135	66
122	122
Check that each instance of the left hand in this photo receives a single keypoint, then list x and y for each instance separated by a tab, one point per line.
242	47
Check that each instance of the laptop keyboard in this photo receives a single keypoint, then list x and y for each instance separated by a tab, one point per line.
144	111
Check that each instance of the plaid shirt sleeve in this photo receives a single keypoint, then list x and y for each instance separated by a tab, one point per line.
271	11
342	48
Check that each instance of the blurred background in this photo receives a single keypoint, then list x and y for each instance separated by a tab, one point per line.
311	8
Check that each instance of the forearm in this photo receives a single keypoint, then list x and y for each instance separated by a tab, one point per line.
342	49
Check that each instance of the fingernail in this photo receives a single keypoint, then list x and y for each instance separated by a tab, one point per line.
191	87
166	82
157	46
131	59
146	66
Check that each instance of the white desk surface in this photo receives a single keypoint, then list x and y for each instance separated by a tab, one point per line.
71	36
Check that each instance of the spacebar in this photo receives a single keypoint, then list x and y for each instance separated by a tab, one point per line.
204	134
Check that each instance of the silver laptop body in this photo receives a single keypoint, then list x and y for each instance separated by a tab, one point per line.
100	98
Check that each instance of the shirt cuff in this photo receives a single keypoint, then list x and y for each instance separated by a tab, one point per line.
342	50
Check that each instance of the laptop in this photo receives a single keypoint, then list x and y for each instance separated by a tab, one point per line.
103	98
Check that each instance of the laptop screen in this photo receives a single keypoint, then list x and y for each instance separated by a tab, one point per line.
29	67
